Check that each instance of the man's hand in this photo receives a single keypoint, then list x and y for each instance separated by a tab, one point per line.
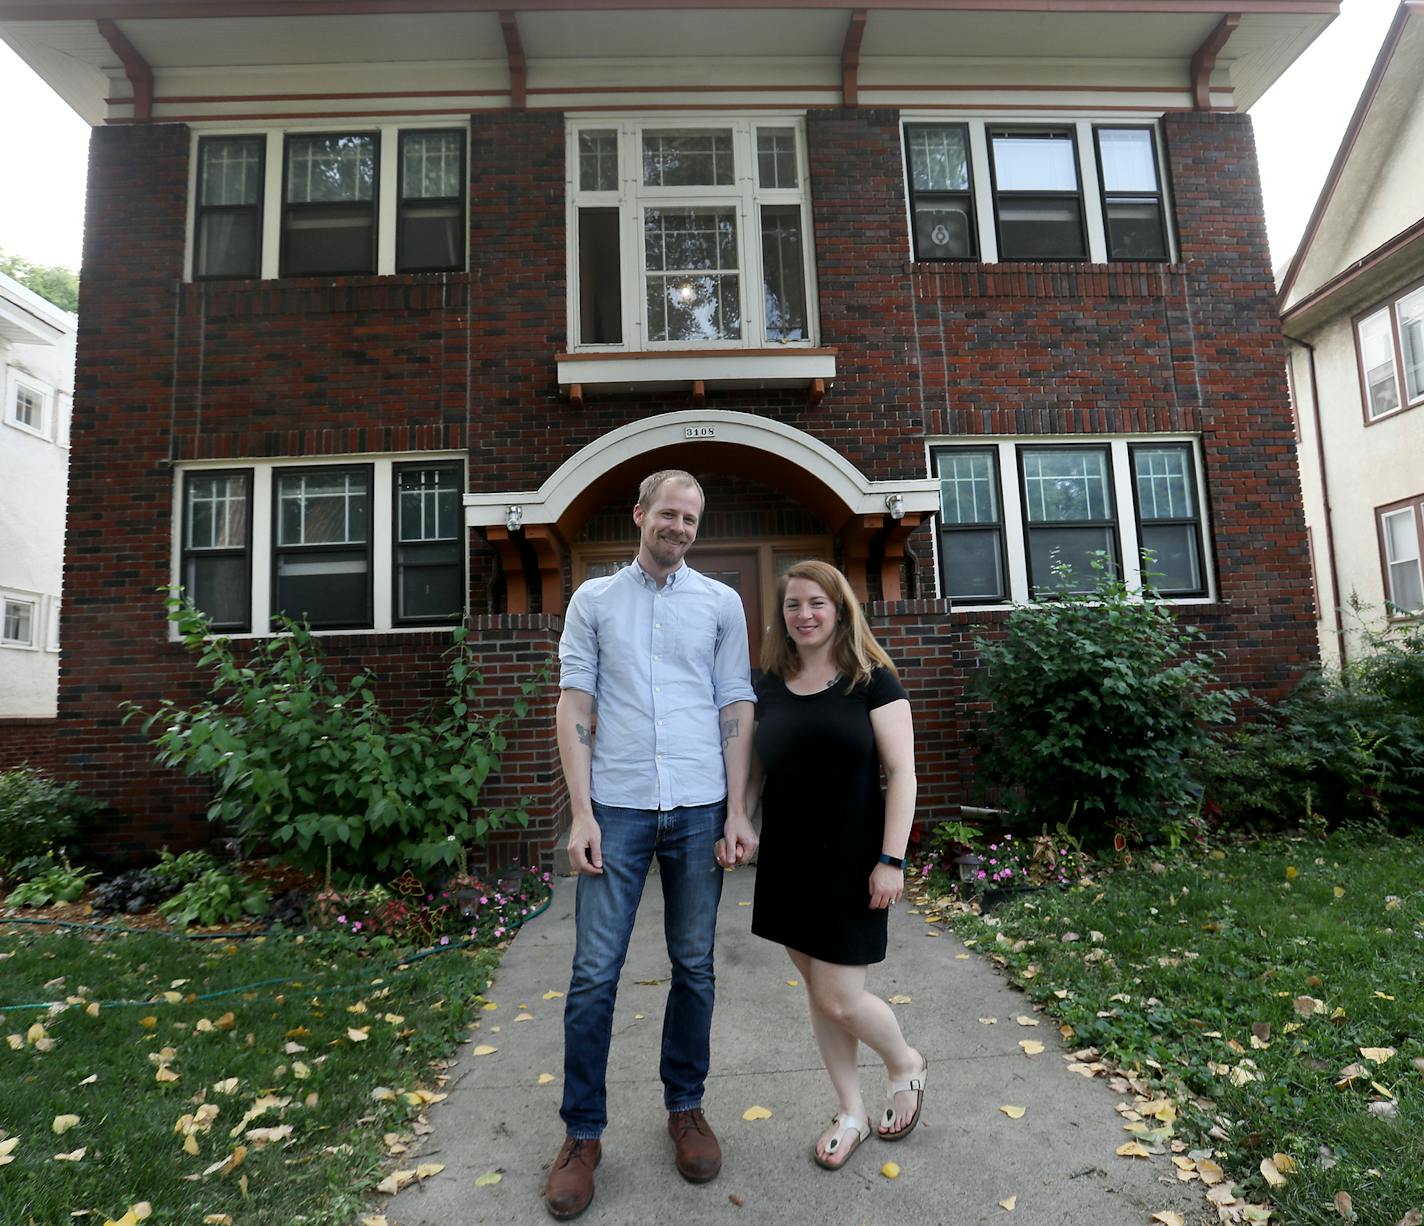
586	846
738	843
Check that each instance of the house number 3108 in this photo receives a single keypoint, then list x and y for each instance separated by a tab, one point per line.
699	432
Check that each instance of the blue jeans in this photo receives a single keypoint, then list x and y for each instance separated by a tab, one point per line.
684	842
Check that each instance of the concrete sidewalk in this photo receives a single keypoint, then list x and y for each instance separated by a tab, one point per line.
964	1159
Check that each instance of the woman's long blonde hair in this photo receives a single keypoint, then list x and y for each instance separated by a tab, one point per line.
855	650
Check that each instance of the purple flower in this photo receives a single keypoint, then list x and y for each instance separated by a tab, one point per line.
982	874
356	927
1008	872
483	900
444	940
340	919
993	847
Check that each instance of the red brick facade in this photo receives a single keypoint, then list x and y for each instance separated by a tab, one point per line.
172	371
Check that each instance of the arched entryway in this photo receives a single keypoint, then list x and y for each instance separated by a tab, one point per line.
544	532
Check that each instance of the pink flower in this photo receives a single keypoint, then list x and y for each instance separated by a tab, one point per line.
356	927
444	940
483	900
340	919
982	874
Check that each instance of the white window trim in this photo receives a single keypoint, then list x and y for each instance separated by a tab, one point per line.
1124	500
15	379
1389	308
1089	185
382	535
37	602
387	189
1414	508
631	198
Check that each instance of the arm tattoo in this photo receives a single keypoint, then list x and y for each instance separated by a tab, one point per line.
730	728
584	735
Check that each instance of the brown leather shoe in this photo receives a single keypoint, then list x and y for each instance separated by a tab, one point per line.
699	1157
570	1187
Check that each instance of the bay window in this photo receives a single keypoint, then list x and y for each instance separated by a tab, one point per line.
688	234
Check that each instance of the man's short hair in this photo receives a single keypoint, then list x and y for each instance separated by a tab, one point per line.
648	491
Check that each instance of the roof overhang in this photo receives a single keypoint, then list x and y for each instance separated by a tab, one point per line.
103	55
27	319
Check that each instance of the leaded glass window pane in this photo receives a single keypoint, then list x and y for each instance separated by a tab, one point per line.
431	164
330	169
217	512
1064	485
429	504
231	171
1164	484
688	157
776	158
968	487
939	158
691	255
322	508
598	161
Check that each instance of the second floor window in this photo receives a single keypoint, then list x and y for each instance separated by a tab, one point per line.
689	234
1390	342
329	204
227	236
1038	202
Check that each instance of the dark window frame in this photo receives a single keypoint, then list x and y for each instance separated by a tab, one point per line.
1390	305
1106	197
277	549
1037	592
1196	521
461	539
460	201
968	194
201	210
1070	131
187	552
373	206
1000	524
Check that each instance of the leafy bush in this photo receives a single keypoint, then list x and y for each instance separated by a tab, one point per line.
1097	698
58	883
219	896
178	871
1338	748
37	815
318	769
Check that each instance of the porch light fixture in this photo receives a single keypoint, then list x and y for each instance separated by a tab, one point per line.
895	504
514	516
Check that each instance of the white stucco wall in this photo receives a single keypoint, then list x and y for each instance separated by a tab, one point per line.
1393	200
37	352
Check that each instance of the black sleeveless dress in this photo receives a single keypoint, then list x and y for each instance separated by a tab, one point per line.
823	818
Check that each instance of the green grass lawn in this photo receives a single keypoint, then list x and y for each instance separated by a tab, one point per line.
310	1026
1175	963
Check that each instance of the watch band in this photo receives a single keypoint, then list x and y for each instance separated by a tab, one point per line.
892	861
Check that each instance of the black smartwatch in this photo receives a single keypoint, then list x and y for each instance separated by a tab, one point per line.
892	861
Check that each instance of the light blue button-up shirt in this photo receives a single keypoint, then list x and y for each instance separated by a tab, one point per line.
661	663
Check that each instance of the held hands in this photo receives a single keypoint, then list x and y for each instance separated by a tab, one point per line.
738	843
887	886
586	846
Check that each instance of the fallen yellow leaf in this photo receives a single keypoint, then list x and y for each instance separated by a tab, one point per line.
756	1113
484	1049
552	995
226	1022
1014	1113
1339	891
165	1074
524	1017
74	1155
1285	1164
488	1179
1271	1174
1133	1149
1210	1171
15	1041
891	1170
899	999
989	1021
63	1123
1168	1218
1291	873
358	1034
149	1022
35	1033
1024	1020
92	1008
427	1170
1378	1055
1031	1047
218	1219
489	1006
1008	1203
545	1078
1344	1206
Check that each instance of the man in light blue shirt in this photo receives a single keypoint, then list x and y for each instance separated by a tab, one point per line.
660	653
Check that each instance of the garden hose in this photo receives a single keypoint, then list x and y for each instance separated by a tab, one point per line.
409	959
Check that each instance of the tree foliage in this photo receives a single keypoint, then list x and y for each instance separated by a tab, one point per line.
52	282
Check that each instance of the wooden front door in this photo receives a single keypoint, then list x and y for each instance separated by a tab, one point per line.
738	569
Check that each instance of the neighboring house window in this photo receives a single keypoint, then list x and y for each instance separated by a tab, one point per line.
329	204
217	546
1056	191
689	234
227	232
1401	529
321	561
27	405
1390	342
941	191
430	232
1013	511
430	569
373	545
17	621
1131	194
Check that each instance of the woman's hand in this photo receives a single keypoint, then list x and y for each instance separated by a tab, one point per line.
887	886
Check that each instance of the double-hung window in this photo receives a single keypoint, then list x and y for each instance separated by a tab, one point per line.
1401	531
689	234
430	232
374	544
329	204
1025	519
1050	190
1390	343
227	228
217	546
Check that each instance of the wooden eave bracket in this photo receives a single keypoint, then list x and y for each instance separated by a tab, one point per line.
136	68
1204	61
850	58
514	52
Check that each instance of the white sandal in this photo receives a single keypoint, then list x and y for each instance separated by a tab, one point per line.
845	1125
911	1085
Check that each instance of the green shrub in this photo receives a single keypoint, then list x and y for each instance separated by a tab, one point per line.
174	872
218	896
37	816
1097	698
318	770
57	883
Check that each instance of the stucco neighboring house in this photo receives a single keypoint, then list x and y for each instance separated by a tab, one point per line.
1352	302
37	342
389	305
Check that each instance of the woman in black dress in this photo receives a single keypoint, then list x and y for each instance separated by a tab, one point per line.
830	713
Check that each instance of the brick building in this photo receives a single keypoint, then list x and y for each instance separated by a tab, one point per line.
387	306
